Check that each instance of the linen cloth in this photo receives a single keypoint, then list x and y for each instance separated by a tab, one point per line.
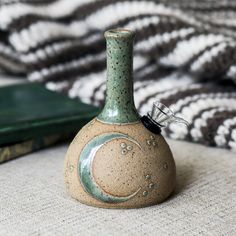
33	199
184	55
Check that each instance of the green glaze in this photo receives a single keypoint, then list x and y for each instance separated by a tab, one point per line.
85	167
119	107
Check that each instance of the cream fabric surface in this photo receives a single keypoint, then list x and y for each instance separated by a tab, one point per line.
33	200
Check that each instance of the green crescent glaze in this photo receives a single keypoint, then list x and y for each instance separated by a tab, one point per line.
85	167
119	106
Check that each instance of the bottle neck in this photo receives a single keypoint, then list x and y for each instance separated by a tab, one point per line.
119	105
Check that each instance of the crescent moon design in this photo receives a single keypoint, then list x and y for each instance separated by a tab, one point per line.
85	167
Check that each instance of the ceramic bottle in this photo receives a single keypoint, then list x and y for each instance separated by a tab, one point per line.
120	160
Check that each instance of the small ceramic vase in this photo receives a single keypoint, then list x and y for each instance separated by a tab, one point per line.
120	160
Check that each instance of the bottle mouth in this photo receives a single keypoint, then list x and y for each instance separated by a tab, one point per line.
119	33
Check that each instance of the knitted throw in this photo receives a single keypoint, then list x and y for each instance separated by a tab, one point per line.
184	55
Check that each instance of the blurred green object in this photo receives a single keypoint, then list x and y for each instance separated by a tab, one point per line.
30	112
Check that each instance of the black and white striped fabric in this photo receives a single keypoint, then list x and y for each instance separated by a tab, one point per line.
185	55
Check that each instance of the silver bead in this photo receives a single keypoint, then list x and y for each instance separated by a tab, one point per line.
151	185
145	193
165	166
123	145
148	142
148	177
124	151
129	148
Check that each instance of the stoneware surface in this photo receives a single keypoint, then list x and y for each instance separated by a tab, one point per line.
114	161
133	169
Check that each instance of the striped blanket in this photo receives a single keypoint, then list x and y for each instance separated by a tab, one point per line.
184	55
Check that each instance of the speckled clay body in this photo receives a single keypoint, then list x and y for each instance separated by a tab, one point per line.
114	161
